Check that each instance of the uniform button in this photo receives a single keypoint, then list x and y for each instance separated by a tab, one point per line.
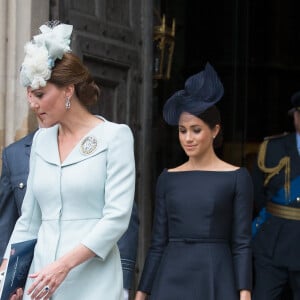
21	185
298	199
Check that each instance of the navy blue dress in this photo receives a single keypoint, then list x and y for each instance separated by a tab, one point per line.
200	247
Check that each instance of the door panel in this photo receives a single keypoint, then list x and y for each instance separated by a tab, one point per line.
107	38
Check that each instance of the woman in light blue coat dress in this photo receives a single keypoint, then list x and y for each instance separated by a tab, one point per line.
81	182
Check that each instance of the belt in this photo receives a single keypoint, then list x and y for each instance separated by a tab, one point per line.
198	240
285	212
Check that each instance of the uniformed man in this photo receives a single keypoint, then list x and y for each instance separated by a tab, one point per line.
276	245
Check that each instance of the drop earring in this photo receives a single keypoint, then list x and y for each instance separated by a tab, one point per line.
67	103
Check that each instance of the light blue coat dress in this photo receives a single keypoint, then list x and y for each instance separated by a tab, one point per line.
86	199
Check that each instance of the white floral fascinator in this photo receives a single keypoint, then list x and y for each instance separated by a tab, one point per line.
41	53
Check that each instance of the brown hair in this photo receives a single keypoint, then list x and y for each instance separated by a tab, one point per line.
212	117
70	70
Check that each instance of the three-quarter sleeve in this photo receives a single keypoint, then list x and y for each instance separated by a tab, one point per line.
119	194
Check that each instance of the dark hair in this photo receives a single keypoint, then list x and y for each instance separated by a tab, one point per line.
70	70
212	117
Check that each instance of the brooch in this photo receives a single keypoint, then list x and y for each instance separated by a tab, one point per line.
88	145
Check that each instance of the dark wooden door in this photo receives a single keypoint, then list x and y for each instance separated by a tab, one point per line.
114	40
107	36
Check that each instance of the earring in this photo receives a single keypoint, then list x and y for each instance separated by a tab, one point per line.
67	103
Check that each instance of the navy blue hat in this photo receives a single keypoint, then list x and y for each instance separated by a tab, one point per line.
201	91
295	99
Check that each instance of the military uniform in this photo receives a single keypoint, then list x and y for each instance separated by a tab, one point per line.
276	245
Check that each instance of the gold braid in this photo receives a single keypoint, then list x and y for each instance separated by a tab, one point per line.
270	172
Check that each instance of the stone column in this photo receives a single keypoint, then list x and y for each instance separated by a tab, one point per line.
3	17
19	20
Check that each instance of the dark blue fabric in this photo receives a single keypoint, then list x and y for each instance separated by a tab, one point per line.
271	281
15	168
201	238
262	217
18	267
280	198
201	91
277	245
128	246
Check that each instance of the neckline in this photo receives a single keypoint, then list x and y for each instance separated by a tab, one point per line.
203	171
80	141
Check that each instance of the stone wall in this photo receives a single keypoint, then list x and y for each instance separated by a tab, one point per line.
19	20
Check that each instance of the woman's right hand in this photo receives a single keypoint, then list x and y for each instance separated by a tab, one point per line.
3	265
140	296
18	295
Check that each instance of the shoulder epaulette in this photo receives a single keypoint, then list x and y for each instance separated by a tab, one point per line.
276	136
284	163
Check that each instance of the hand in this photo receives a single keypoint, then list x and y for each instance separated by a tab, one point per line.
2	277
3	265
47	281
18	295
140	296
245	295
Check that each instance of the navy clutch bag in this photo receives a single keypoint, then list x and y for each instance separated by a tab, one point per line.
19	262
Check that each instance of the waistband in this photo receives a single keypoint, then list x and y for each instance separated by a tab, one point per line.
282	211
198	240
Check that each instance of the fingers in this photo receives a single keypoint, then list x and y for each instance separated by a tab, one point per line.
34	275
46	281
41	291
18	295
42	288
33	286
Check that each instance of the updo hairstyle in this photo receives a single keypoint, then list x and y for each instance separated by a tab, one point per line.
70	70
212	117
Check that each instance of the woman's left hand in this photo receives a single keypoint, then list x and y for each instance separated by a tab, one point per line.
47	280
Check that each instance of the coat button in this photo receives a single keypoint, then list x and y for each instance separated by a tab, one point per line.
21	185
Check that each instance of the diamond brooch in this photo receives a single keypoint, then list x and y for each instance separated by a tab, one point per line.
88	145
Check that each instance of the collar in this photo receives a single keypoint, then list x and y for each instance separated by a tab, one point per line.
47	145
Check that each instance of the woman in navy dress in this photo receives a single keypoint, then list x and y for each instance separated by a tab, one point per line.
200	247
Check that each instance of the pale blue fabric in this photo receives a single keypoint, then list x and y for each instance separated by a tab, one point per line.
86	199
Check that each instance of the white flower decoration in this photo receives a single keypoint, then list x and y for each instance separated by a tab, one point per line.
35	70
41	53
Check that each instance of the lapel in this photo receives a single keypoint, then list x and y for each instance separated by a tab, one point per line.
47	146
28	142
